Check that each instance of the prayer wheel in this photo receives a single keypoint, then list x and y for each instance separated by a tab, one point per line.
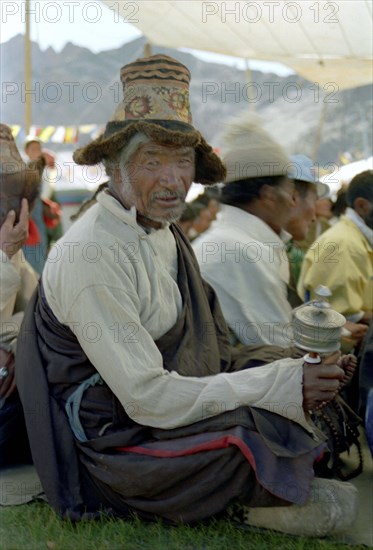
317	327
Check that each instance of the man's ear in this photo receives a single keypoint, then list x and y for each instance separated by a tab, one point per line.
267	192
296	196
362	206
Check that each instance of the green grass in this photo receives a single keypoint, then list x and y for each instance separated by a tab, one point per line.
36	527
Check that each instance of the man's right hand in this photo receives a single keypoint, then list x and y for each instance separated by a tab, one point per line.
13	235
321	382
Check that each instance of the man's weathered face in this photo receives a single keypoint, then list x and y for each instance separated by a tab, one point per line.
303	213
156	181
283	204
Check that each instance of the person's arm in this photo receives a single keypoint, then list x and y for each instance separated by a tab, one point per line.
107	325
12	237
356	331
10	283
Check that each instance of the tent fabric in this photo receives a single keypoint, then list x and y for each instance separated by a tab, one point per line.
342	176
324	41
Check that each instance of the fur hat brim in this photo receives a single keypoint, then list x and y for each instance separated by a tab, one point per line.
209	167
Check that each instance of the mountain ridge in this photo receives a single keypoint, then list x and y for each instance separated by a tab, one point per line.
76	86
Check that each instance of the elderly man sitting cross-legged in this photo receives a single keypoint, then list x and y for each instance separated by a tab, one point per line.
144	405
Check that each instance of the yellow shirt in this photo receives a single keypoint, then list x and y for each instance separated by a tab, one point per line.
342	259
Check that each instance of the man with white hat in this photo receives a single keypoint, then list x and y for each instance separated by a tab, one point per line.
145	406
243	254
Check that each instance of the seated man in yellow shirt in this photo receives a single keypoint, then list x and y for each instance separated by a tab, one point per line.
342	259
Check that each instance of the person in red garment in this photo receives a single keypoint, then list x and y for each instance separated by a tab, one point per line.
144	405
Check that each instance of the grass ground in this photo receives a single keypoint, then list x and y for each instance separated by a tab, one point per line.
36	527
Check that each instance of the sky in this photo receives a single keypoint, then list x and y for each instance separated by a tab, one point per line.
91	24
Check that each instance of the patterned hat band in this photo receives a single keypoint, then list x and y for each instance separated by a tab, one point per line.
156	89
154	102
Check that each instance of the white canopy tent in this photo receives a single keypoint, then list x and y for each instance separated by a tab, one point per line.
325	42
344	175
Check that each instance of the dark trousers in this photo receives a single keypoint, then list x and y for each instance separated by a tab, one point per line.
14	445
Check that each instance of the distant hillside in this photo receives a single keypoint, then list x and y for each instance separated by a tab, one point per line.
77	86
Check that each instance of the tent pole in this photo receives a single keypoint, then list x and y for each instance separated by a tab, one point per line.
147	49
248	81
319	130
27	68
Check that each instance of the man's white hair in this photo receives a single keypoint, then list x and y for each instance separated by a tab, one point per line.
121	159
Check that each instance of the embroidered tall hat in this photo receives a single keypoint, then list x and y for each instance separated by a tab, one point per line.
17	179
156	103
